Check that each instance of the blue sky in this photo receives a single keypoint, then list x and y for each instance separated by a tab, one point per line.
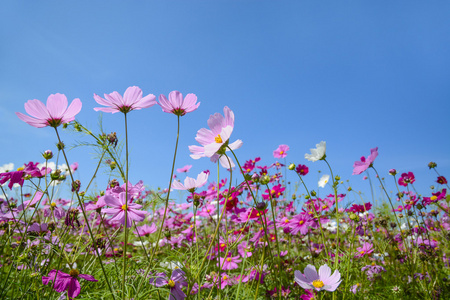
354	74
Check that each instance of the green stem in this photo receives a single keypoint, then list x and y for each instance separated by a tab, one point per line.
125	256
86	219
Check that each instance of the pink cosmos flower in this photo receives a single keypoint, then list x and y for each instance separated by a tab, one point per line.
119	206
366	249
364	164
176	105
132	100
67	282
175	283
229	263
318	281
54	114
215	141
406	178
191	184
281	151
145	229
184	169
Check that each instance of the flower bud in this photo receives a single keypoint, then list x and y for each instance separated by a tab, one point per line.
291	167
261	206
392	172
313	193
265	179
432	165
60	146
55	175
349	189
48	154
337	178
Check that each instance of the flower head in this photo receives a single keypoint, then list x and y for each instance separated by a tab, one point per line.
318	153
176	105
175	283
191	184
67	282
302	170
281	151
406	178
364	164
215	141
318	281
441	180
184	169
54	114
324	180
120	205
132	100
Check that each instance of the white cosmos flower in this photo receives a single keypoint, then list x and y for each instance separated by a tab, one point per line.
318	153
324	180
7	168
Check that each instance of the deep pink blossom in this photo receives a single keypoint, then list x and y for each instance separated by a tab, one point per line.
281	151
67	282
311	280
176	105
54	114
132	100
145	229
406	178
215	141
364	164
441	180
302	170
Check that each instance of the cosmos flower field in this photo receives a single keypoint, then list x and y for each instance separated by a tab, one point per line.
245	236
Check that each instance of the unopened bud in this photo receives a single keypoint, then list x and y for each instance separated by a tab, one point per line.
261	206
392	172
432	165
291	167
313	193
60	146
265	179
48	154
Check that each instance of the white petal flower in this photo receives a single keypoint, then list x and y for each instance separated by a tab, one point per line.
318	153
324	180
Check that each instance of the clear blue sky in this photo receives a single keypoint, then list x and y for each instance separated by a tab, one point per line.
354	74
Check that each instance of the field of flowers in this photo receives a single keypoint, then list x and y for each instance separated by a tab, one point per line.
244	237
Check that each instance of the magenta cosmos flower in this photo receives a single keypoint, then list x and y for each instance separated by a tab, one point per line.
119	206
176	105
406	178
54	114
281	151
318	281
215	141
190	184
67	282
364	164
132	100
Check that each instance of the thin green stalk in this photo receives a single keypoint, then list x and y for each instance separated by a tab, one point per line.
165	211
125	256
86	219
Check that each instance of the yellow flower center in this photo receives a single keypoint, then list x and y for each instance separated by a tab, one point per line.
301	222
432	198
318	284
124	207
225	277
324	207
218	139
228	259
286	221
53	204
74	273
362	252
171	283
20	169
222	245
